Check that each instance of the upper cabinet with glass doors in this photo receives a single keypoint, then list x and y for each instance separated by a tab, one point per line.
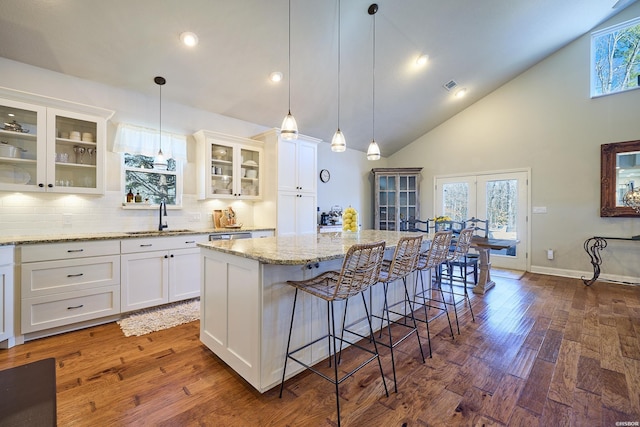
397	196
43	148
230	167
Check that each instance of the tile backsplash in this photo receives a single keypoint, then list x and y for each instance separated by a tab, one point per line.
28	214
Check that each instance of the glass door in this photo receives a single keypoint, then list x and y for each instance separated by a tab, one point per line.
221	169
22	146
387	202
501	198
250	172
76	149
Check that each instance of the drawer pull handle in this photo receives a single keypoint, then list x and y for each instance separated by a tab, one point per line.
77	306
147	245
190	241
75	250
75	275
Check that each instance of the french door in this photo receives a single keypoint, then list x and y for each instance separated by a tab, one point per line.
502	198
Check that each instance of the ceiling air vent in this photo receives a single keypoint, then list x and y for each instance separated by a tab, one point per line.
450	85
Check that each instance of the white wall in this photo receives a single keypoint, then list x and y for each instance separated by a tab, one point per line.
351	182
545	120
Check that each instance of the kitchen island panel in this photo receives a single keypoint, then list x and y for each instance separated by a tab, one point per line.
230	318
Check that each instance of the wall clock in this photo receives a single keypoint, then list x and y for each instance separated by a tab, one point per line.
325	175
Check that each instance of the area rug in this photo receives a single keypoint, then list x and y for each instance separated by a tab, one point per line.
28	394
158	318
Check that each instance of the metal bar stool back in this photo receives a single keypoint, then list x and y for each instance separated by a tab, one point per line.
458	257
402	264
432	259
360	269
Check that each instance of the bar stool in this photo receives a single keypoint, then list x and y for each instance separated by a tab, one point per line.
457	257
432	259
402	264
360	269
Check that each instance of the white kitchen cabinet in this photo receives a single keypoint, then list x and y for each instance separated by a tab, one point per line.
290	184
67	283
229	167
159	270
6	297
60	146
294	213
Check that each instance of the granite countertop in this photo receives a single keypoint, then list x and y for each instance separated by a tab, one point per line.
113	235
305	248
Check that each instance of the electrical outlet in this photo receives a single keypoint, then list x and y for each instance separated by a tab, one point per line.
66	219
539	209
195	217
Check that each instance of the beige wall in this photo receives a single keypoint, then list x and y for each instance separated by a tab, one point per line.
544	120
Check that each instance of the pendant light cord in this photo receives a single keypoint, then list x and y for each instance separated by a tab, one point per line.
373	86
339	10
160	126
289	65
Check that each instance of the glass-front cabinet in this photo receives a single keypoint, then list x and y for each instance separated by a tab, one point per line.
396	195
48	149
230	167
78	151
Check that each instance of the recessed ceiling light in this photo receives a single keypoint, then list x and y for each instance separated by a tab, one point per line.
11	115
422	59
461	93
188	38
276	76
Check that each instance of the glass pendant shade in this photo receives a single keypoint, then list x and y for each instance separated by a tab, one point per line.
289	128
373	152
338	143
159	162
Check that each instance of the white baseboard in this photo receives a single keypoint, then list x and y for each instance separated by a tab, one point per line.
627	280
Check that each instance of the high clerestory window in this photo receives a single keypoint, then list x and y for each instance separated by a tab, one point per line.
138	147
615	58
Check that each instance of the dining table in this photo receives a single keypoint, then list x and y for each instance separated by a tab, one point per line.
484	246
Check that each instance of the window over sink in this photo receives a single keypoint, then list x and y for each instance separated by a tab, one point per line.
151	186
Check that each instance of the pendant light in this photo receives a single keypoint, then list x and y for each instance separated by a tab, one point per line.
373	152
160	163
338	143
289	128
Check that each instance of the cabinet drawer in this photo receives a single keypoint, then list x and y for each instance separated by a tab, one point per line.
51	251
54	277
148	244
46	312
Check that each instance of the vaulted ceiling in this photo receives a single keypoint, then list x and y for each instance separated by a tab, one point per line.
479	44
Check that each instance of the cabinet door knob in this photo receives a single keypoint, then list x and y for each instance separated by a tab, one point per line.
50	185
166	256
41	185
171	255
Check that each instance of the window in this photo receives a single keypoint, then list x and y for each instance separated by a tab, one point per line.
138	147
152	185
615	58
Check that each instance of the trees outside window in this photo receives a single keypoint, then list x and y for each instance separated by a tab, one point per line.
615	58
153	185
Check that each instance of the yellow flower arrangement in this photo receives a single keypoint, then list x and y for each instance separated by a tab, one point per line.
442	218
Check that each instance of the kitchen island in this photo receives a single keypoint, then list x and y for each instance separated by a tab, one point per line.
246	301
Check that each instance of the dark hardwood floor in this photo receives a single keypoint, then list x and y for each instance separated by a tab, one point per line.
543	350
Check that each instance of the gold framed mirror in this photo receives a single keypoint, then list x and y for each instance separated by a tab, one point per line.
619	174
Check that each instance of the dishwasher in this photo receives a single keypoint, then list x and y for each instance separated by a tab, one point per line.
230	236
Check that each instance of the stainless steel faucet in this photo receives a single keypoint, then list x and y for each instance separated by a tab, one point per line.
163	212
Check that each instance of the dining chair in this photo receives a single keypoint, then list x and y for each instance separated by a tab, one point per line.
360	270
403	263
459	257
431	260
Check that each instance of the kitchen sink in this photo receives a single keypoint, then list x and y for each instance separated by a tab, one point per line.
133	233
